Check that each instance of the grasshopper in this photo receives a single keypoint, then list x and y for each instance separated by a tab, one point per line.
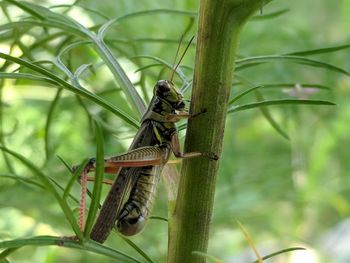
138	170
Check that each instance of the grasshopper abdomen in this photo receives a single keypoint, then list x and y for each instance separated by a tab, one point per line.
137	209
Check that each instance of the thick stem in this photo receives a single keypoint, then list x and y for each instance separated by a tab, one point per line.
220	24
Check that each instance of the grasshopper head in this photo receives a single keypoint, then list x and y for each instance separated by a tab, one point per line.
167	90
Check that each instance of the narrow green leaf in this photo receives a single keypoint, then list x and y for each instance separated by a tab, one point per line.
73	77
4	75
265	111
43	23
273	123
120	75
71	46
90	10
22	179
107	251
24	48
248	65
138	249
250	241
182	126
11	131
90	246
281	252
292	85
277	102
207	256
75	174
318	51
147	67
6	158
107	127
46	15
161	218
96	193
66	23
66	164
62	188
234	99
270	15
166	64
48	185
108	24
81	69
74	177
102	31
42	41
27	9
5	11
162	40
49	121
82	92
261	7
6	253
254	61
59	63
186	87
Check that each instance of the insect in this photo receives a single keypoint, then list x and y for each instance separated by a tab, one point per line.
129	201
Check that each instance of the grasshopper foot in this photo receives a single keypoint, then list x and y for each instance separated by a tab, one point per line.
198	113
89	166
211	156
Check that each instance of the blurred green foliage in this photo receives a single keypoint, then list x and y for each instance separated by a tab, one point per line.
286	193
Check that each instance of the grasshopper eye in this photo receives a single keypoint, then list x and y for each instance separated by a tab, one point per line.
163	88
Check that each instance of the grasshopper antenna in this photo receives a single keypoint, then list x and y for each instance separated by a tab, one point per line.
176	54
183	54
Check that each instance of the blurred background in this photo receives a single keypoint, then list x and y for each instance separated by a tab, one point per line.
285	192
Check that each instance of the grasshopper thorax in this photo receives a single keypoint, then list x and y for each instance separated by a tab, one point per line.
166	90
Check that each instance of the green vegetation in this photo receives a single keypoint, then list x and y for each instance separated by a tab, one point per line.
76	77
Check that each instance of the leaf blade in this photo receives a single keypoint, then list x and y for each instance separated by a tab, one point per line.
82	92
96	193
278	102
234	99
318	51
69	243
254	61
48	184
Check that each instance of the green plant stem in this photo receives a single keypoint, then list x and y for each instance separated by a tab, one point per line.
220	24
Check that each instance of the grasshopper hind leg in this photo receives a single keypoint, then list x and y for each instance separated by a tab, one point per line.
147	156
84	178
83	182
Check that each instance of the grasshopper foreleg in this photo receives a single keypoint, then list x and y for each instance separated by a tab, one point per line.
175	147
181	115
